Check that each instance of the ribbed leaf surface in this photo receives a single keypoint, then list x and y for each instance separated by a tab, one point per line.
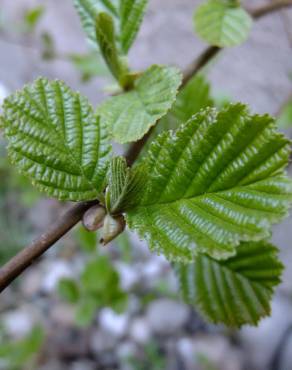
127	14
217	181
236	291
88	11
124	185
105	35
221	23
56	140
189	101
132	13
129	116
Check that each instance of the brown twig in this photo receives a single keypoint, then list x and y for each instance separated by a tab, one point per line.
27	256
269	8
203	59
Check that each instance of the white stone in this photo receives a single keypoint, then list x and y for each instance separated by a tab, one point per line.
166	316
140	331
54	271
126	349
215	349
153	268
18	323
129	276
113	323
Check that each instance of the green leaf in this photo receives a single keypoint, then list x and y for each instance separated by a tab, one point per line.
101	282
48	46
97	274
105	34
86	311
90	65
285	117
56	140
68	290
14	354
88	11
217	181
236	291
126	14
192	98
132	13
129	116
124	185
221	23
87	239
32	17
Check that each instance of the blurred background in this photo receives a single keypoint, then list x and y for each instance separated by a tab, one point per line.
83	307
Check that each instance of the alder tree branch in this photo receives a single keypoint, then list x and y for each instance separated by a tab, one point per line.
269	8
28	255
13	268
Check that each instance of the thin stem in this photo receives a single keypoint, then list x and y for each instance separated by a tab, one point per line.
269	8
27	256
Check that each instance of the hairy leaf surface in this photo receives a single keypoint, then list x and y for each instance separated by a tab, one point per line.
56	140
129	116
222	23
124	185
236	291
217	181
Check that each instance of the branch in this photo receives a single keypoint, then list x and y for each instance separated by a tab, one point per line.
269	8
28	255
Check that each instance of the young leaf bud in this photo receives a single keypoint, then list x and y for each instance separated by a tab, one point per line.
112	227
93	218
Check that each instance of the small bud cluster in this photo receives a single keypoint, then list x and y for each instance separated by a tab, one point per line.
96	218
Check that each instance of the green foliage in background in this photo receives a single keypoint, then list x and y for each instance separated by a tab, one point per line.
17	355
153	359
285	116
32	17
89	65
98	286
222	23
